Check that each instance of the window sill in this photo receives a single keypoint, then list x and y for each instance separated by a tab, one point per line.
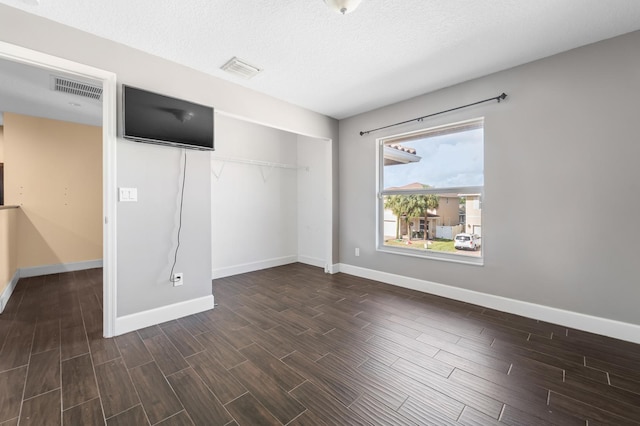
440	256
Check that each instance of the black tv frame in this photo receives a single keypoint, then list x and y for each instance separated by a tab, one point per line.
166	111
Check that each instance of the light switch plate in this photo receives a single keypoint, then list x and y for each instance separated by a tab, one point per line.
128	194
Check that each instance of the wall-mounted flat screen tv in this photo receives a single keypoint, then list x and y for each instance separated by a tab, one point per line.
153	118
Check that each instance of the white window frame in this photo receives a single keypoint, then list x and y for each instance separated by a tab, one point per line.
380	193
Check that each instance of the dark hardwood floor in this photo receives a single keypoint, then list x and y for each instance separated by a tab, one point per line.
293	346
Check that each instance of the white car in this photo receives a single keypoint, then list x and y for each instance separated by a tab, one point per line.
467	241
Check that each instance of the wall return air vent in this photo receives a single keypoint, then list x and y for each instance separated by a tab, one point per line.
78	88
241	68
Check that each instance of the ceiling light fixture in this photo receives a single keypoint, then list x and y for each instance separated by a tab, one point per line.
343	6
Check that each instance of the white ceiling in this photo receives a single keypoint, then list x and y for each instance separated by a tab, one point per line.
384	52
26	89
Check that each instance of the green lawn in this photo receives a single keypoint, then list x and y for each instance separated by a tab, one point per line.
435	245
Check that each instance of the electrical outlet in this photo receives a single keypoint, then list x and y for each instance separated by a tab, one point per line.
177	280
357	251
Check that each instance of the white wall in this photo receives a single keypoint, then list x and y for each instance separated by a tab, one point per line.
267	216
313	199
253	208
565	138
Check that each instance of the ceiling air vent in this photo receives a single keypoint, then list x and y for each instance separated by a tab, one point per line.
78	88
240	68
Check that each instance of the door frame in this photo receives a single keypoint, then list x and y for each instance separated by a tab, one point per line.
109	115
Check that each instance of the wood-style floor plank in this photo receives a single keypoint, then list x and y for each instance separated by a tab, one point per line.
471	417
291	346
216	377
201	405
133	416
11	385
133	350
330	381
376	412
585	411
475	399
42	410
78	381
224	352
284	376
421	412
513	416
364	382
17	345
44	373
430	399
267	391
180	419
166	355
248	411
116	389
102	350
326	407
158	399
86	414
74	342
186	344
47	336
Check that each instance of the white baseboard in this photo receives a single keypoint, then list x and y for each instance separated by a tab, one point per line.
604	326
162	314
334	269
36	271
313	261
253	266
8	290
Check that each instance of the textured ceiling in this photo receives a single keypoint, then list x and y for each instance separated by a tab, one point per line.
385	51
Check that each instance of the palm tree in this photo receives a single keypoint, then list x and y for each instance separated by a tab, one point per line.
428	202
396	204
410	207
414	208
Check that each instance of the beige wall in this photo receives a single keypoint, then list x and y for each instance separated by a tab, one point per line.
473	213
1	144
8	246
53	171
449	211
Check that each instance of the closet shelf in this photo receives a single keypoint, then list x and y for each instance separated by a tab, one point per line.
266	164
259	163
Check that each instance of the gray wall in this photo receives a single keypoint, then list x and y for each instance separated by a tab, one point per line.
145	229
561	182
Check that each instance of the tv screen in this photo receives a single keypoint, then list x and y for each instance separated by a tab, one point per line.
153	118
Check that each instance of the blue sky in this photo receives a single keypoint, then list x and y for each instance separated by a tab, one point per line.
447	161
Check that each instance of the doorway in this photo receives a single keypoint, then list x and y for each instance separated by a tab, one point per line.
108	81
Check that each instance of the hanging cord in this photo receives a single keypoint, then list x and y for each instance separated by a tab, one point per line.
497	98
184	177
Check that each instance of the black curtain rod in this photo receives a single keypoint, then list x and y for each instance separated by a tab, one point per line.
497	98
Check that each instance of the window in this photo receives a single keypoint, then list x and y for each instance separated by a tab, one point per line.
430	190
